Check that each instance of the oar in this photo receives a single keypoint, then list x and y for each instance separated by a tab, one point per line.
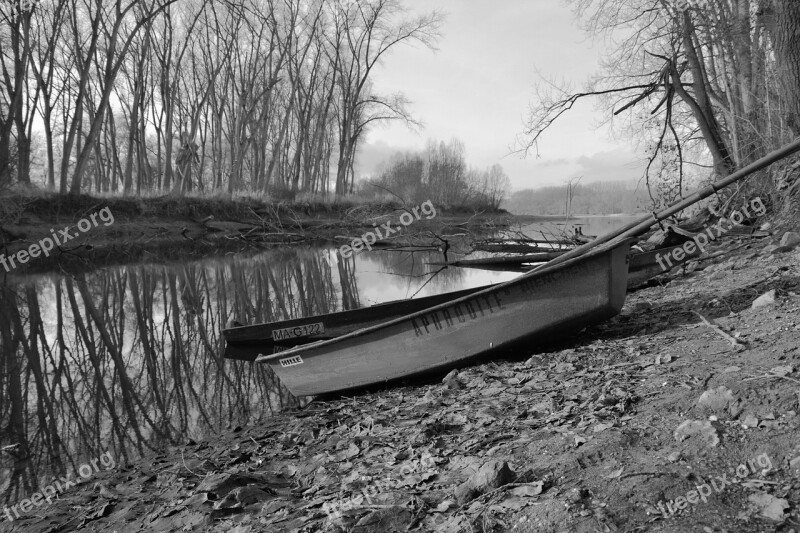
638	227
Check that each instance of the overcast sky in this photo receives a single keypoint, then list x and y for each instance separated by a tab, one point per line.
478	85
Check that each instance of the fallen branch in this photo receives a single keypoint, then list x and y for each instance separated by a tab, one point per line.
734	343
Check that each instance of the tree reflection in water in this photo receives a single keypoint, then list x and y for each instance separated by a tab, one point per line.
129	359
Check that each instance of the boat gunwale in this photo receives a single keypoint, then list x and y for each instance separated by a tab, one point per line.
539	272
336	314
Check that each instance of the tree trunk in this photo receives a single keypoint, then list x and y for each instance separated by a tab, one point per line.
786	36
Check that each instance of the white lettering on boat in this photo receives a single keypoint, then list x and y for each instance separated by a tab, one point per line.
291	361
461	312
304	330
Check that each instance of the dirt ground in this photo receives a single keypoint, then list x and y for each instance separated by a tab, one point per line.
680	414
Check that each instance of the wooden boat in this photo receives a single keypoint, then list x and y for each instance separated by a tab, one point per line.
646	265
554	299
542	257
245	343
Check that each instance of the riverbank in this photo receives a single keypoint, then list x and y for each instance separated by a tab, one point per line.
680	414
106	231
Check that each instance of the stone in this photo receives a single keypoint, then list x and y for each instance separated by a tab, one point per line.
451	381
764	300
769	506
242	497
394	518
704	429
750	421
790	239
717	400
465	493
490	476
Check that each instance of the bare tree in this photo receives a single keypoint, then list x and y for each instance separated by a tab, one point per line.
368	30
703	70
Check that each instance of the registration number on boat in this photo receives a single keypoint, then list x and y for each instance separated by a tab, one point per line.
305	330
292	361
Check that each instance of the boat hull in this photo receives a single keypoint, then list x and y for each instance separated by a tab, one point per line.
577	293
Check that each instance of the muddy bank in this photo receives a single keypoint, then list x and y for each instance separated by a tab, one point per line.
103	231
680	414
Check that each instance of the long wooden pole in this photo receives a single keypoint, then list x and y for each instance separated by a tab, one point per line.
637	227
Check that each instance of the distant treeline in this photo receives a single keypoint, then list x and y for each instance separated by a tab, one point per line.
242	96
440	174
598	198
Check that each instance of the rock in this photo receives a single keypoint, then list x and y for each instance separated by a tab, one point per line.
769	506
453	374
576	495
782	370
464	493
241	497
765	227
394	518
451	381
703	429
790	239
750	421
789	242
223	483
794	463
717	401
718	275
764	300
490	476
